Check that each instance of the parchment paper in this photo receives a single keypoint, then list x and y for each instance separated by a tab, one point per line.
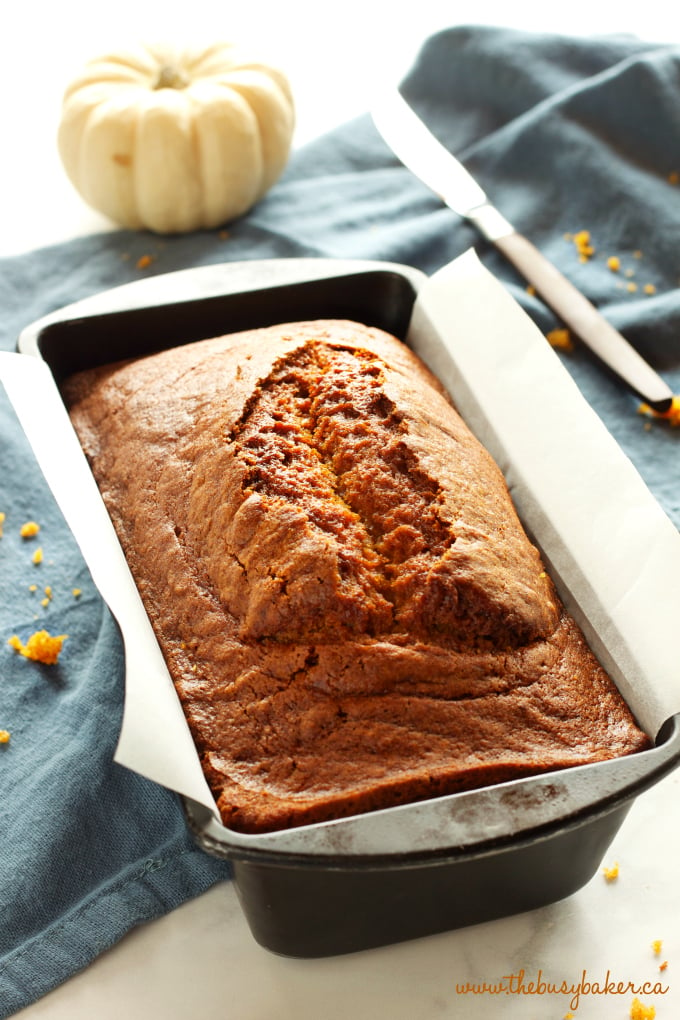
610	548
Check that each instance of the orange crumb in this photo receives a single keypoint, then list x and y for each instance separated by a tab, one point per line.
638	1011
223	235
41	646
37	556
561	339
4	737
664	965
144	261
673	177
614	263
611	874
583	244
29	529
672	415
531	290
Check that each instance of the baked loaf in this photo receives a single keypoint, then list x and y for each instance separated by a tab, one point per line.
349	608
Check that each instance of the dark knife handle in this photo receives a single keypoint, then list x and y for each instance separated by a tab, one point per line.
584	320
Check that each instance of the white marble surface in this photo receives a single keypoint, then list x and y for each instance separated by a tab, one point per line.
201	959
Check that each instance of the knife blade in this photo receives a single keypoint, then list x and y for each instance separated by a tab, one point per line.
424	155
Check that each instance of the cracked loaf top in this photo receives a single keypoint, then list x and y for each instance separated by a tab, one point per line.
350	610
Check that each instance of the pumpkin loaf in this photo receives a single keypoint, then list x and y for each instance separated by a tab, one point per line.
348	606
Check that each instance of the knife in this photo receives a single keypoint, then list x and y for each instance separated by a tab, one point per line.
418	149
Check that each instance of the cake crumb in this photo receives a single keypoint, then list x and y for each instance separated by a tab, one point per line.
37	556
4	737
614	263
76	592
657	946
3	517
638	1011
144	261
29	530
531	290
649	288
40	647
560	339
611	874
631	287
583	244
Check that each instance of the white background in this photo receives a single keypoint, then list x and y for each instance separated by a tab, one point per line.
336	55
201	960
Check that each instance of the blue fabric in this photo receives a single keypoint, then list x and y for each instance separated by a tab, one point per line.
566	135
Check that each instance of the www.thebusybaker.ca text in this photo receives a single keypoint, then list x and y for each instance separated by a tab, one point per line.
517	984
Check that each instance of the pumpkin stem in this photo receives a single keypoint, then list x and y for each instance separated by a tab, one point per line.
170	77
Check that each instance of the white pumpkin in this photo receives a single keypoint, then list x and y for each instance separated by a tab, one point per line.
172	140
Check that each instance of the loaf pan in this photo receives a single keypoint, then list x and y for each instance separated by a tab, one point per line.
403	872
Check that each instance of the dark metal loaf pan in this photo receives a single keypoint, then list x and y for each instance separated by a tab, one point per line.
441	864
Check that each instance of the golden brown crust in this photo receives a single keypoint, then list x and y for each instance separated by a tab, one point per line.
349	608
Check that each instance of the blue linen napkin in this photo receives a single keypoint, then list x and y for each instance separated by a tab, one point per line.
566	135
